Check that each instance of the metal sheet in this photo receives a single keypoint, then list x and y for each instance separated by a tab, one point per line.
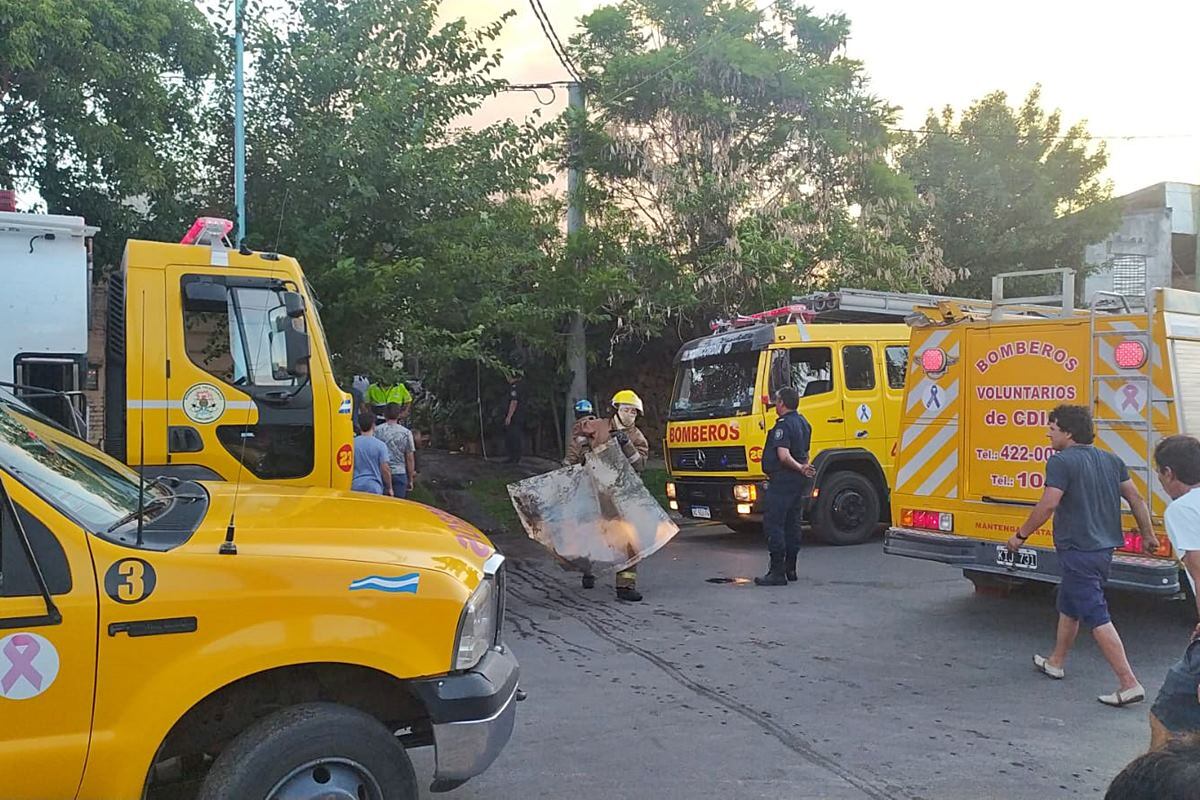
595	517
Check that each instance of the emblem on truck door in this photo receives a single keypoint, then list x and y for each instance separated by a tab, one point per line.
203	403
28	665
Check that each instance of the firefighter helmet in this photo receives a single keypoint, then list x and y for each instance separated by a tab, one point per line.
627	397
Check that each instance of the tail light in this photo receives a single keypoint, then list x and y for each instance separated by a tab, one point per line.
927	520
1134	541
1130	354
934	361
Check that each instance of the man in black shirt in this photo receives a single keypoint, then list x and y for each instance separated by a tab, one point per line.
785	460
514	419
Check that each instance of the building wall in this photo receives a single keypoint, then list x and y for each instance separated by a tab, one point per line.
1145	234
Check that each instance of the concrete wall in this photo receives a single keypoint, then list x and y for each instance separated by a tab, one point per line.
1143	233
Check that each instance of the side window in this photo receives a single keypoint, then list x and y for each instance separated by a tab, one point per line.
236	333
896	357
16	573
859	365
812	370
781	369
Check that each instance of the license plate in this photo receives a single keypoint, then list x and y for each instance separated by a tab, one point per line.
701	512
1022	559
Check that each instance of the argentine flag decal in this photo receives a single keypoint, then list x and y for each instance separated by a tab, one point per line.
378	583
345	407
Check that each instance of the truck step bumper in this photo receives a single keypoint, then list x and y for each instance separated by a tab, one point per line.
1157	576
473	714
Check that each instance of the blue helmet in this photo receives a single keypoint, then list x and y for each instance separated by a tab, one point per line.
584	407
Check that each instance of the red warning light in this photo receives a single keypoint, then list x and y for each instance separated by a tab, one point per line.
1130	354
933	361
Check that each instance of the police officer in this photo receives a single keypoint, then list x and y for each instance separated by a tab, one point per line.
785	460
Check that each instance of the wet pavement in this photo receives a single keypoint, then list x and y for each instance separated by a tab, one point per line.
873	677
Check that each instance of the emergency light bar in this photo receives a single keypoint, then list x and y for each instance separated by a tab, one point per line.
785	314
208	231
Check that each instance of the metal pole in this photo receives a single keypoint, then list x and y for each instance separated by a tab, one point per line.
577	343
239	124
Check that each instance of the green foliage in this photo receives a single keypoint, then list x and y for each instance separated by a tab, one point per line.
745	143
97	109
1010	189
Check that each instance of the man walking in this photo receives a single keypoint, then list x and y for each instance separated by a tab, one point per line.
400	445
1083	491
1176	709
785	460
371	472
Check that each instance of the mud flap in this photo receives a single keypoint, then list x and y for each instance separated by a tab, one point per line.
596	517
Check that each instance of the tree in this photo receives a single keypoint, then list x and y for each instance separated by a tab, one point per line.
97	107
1009	189
747	146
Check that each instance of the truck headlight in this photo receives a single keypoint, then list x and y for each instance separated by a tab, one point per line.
745	492
479	626
670	490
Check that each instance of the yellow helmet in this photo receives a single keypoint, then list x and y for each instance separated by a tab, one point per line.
627	397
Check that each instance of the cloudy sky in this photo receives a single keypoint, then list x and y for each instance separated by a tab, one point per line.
1126	68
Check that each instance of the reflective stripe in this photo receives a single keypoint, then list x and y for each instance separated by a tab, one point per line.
159	405
914	464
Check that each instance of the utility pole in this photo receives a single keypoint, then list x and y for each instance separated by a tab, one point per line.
577	343
239	124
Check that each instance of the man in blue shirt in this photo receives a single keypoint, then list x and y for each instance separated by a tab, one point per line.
371	471
785	460
1083	492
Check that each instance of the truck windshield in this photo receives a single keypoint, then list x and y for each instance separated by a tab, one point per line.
715	387
80	481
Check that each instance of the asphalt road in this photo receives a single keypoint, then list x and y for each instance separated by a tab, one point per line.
873	677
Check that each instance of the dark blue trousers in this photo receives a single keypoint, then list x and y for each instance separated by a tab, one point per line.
782	514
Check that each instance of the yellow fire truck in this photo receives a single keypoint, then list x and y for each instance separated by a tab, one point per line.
982	380
850	376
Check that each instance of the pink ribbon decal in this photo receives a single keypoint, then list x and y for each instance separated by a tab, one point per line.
1131	397
21	650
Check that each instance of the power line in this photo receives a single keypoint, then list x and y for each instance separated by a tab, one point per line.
552	37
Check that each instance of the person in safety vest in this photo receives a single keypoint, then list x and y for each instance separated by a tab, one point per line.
379	396
591	432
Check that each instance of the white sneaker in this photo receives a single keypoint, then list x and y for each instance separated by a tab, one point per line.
1128	697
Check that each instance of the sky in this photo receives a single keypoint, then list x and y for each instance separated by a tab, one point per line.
1127	69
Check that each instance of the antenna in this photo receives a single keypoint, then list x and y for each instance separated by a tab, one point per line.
141	509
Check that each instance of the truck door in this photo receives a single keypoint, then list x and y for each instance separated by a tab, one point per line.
863	399
242	403
810	370
47	665
895	370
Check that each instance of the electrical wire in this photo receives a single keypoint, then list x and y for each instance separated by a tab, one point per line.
552	37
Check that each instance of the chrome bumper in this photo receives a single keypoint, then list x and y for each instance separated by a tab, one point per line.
473	716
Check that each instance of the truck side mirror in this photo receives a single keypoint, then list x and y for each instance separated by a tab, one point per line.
202	296
293	303
295	344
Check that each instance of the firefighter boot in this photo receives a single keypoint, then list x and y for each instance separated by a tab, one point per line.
774	576
789	567
627	586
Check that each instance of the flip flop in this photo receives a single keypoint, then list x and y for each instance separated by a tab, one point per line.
1126	698
1049	670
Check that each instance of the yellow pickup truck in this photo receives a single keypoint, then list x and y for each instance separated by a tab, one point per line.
256	641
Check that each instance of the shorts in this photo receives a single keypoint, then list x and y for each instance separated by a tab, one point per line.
1081	593
1176	705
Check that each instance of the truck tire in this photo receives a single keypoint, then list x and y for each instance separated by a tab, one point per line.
312	750
847	509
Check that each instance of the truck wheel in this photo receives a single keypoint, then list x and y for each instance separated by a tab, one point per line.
847	509
311	751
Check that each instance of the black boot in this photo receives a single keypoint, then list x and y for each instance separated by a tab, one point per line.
774	576
789	567
629	594
589	581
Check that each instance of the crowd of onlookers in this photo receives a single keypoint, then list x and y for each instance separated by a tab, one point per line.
384	448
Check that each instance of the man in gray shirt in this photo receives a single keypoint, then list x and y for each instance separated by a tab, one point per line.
1083	491
399	441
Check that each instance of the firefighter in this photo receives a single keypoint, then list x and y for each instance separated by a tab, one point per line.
622	426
